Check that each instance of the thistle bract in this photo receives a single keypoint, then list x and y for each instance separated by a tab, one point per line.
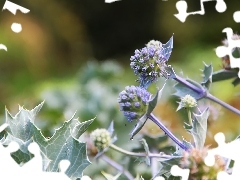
149	63
133	102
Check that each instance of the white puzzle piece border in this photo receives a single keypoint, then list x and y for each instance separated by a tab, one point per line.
222	51
182	6
10	170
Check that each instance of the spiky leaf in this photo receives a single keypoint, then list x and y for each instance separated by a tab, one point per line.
236	81
21	125
207	75
167	165
143	119
199	129
63	145
146	148
224	75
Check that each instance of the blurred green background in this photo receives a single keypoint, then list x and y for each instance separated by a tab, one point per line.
74	54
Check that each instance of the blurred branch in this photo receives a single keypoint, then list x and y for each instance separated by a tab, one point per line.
117	166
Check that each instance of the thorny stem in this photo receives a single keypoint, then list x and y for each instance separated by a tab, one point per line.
141	154
196	89
117	166
168	133
203	94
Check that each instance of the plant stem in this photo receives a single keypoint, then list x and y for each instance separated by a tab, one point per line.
167	132
191	86
141	154
202	93
117	166
222	103
189	117
154	164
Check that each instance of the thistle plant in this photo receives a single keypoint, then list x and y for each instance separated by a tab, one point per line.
138	105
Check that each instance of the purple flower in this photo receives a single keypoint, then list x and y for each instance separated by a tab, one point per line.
135	102
150	62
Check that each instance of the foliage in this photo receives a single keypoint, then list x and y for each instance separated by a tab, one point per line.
64	144
94	94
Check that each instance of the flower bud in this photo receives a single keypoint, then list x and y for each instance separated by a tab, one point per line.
149	63
155	44
188	101
133	102
101	138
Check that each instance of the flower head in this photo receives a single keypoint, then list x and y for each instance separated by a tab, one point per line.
150	62
154	43
133	102
194	161
188	101
101	138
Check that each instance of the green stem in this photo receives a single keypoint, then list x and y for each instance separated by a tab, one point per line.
129	153
189	117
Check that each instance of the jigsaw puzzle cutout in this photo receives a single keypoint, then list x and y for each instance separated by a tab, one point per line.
227	150
182	9
16	27
9	169
236	16
177	171
111	1
222	51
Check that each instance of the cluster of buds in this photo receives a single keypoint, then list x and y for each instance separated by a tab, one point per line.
133	102
194	161
101	138
149	64
187	102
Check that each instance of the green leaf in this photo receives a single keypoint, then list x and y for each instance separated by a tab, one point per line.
182	90
63	145
179	151
224	75
143	119
109	176
20	129
199	129
21	125
167	165
138	126
146	148
207	75
236	81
